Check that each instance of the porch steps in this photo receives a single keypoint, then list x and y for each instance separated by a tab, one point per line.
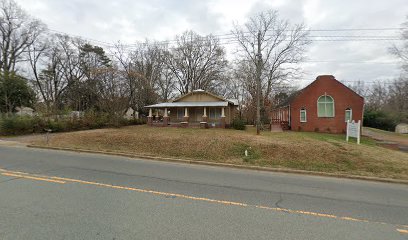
276	127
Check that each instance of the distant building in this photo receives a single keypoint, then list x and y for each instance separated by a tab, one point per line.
197	108
76	114
325	105
402	128
24	111
131	114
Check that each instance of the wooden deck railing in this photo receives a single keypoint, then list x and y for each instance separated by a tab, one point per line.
284	124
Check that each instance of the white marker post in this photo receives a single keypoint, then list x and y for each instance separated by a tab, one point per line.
353	130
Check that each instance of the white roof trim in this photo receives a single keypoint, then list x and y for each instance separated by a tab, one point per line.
233	101
188	104
198	90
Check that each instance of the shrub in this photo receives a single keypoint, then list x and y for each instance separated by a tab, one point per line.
16	125
57	126
38	124
139	121
238	124
379	119
92	120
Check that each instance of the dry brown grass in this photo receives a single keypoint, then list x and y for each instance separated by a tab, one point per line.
306	151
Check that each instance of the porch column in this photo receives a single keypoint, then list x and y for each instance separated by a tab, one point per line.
165	118
186	115
222	120
205	118
150	118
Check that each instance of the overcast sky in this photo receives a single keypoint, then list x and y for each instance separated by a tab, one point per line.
135	20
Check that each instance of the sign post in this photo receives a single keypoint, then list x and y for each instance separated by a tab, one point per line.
353	130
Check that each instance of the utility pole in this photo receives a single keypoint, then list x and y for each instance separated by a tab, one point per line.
258	85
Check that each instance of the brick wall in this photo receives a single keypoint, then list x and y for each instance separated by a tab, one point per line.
343	98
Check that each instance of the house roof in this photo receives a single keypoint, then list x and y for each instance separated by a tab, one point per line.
205	92
189	104
294	95
234	101
177	103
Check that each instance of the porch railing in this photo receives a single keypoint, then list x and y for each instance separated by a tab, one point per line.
284	124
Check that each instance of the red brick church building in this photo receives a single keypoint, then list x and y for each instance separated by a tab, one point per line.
325	105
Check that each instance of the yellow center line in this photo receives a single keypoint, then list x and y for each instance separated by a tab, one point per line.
33	178
64	180
402	231
152	192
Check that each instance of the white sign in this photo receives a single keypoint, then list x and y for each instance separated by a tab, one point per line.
353	130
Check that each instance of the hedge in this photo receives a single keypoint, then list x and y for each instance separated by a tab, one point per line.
17	125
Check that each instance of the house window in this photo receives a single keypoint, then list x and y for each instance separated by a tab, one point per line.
215	113
325	106
302	115
348	115
180	113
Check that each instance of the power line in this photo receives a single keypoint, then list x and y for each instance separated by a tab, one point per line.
330	30
349	62
81	37
356	29
230	37
388	82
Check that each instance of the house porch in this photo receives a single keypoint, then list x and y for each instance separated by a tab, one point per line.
203	117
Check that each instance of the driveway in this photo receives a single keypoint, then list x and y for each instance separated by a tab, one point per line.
388	138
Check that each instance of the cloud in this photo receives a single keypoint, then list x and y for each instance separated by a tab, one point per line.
131	21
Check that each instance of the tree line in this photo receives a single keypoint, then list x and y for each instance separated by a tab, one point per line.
386	102
55	72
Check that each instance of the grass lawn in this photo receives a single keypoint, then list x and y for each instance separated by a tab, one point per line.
296	150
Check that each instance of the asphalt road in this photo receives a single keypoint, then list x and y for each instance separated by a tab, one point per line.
48	194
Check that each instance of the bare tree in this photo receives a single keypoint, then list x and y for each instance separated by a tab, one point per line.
113	91
63	72
387	103
41	56
18	32
73	71
196	62
143	68
377	96
46	73
401	51
56	68
271	47
398	96
166	85
360	88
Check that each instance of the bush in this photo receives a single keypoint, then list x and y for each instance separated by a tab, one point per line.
57	126
379	119
25	124
17	125
139	121
238	124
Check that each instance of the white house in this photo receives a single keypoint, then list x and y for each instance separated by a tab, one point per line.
24	111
